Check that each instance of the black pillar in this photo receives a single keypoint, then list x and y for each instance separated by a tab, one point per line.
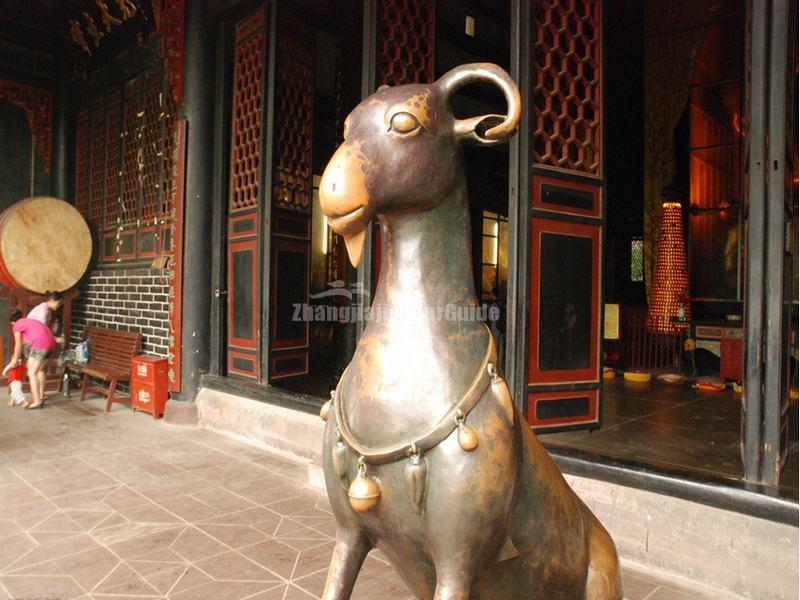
765	384
197	110
61	166
369	70
754	291
776	338
516	357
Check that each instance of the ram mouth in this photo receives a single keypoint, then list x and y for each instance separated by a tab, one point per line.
340	222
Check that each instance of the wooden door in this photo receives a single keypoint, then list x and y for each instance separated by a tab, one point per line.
566	215
292	190
244	232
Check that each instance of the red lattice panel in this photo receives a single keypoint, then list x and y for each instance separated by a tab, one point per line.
295	123
150	153
112	164
132	129
82	163
97	161
406	41
567	90
38	105
248	82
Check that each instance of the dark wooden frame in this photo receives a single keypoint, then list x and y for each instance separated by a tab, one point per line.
233	354
223	345
522	209
565	228
278	373
766	339
252	342
592	417
539	181
276	344
151	229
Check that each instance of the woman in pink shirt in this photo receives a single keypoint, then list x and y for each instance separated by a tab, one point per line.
43	312
38	342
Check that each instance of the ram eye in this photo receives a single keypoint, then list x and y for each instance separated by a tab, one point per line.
404	123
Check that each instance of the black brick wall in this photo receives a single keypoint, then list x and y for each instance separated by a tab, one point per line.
132	299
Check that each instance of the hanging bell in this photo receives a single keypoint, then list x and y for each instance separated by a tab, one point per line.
364	492
416	474
339	456
325	411
501	393
467	438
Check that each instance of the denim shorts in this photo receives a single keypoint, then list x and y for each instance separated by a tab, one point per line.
36	353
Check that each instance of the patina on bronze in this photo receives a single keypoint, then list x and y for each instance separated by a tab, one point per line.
425	456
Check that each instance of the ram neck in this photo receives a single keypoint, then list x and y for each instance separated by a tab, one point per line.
426	258
426	338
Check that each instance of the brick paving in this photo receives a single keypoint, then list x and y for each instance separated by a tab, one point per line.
96	505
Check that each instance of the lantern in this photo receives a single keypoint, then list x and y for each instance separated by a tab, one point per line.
669	310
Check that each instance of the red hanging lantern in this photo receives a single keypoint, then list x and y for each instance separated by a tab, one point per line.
670	310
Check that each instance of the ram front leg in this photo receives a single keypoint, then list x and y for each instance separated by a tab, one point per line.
349	553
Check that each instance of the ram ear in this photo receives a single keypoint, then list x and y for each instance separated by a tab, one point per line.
484	129
474	130
382	87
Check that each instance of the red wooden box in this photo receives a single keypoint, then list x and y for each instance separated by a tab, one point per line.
149	384
731	361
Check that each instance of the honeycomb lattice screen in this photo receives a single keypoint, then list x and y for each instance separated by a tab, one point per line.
295	117
567	91
406	41
248	83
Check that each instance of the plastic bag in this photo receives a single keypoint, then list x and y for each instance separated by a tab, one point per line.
82	352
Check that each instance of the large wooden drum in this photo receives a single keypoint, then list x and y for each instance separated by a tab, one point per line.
45	245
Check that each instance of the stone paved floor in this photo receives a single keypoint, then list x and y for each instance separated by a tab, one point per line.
96	505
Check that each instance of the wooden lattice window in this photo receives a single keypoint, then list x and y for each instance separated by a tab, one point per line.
406	41
124	149
126	211
292	187
248	83
113	143
168	144
567	94
97	159
82	163
150	152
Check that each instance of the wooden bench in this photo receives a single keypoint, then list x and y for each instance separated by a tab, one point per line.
110	354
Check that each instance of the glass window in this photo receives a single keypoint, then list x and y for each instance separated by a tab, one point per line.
494	255
637	259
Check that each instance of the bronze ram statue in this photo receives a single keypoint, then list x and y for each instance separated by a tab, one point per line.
425	456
